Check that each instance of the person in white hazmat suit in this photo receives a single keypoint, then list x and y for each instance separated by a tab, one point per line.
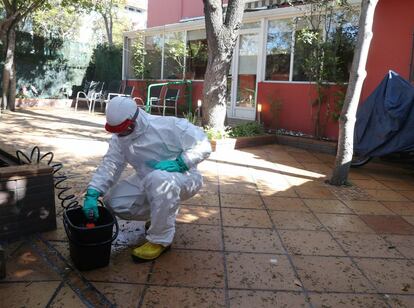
164	151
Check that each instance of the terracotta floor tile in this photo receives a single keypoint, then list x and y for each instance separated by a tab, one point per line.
27	294
409	194
304	157
369	184
337	300
320	168
358	174
409	219
341	222
167	297
120	269
310	243
245	218
403	243
314	191
285	204
252	240
327	206
266	299
267	190
192	236
389	276
203	198
295	220
25	264
385	195
122	295
401	301
260	271
210	186
237	187
296	177
399	185
335	274
400	208
368	207
241	201
365	245
189	269
388	224
283	157
56	235
198	215
66	297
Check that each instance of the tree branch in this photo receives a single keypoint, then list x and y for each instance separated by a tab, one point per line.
235	9
214	16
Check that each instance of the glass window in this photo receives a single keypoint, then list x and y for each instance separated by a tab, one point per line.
324	47
174	51
278	49
129	59
153	56
196	61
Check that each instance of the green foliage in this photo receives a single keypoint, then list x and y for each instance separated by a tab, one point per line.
138	54
247	129
106	64
241	130
325	38
56	20
216	134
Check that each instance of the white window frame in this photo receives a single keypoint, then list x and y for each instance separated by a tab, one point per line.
261	16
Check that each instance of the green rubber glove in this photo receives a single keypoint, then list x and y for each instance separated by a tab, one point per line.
177	165
91	203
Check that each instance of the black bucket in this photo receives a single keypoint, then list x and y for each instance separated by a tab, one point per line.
90	248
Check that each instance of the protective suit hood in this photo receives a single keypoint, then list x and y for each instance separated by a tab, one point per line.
121	113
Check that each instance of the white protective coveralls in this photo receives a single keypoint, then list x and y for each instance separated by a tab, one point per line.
150	193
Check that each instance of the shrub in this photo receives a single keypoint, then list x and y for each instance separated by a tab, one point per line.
214	134
247	129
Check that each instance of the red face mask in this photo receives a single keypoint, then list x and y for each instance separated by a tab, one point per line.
125	128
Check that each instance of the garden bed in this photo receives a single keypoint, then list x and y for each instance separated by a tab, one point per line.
328	147
242	142
43	102
323	146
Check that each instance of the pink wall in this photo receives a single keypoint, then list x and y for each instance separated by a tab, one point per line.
392	42
163	12
288	106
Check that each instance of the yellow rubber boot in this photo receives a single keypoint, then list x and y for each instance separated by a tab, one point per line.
148	252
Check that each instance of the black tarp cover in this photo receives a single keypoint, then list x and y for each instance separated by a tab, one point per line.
385	121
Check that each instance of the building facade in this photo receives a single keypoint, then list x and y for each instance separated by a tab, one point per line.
273	62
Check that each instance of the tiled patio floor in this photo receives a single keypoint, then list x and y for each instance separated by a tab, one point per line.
265	231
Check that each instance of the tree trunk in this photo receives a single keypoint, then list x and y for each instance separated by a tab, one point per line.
8	74
108	28
214	92
221	38
353	93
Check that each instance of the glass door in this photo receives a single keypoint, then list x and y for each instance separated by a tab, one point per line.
242	101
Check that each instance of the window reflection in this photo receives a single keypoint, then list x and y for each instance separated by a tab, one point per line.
278	50
246	83
153	56
196	61
174	51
